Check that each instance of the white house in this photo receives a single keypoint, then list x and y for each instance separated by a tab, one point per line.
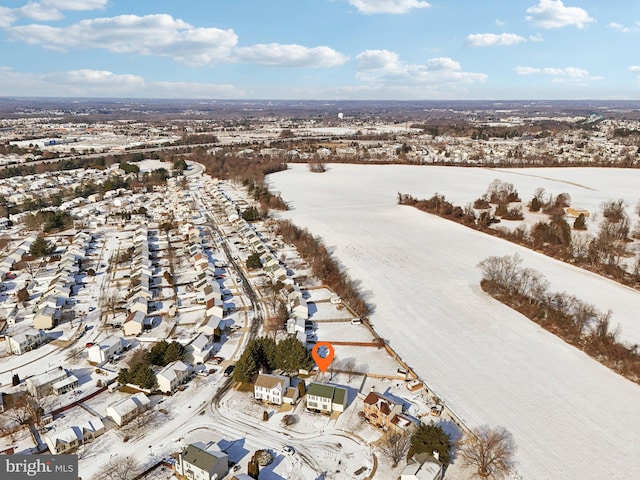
71	438
271	388
25	341
211	326
65	385
40	385
326	398
173	375
125	410
197	462
200	349
106	350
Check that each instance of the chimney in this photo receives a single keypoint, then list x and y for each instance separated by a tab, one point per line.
436	455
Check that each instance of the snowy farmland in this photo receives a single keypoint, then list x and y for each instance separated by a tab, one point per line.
490	364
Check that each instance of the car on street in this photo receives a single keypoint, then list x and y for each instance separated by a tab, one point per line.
229	370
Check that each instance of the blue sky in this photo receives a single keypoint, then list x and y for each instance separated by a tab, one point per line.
321	49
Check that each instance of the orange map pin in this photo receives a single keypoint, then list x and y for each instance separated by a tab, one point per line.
322	354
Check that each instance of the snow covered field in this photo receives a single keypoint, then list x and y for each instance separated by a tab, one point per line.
571	417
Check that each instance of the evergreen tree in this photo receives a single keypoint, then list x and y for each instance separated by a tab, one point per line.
264	352
535	205
157	353
429	438
580	223
175	351
246	368
41	247
291	355
253	261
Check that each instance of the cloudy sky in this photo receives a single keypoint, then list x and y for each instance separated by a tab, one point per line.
321	49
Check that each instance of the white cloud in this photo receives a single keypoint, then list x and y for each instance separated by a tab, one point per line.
492	39
635	69
554	14
46	10
98	78
7	16
162	35
566	72
38	12
83	83
619	27
289	55
500	23
385	67
388	6
536	38
623	28
76	4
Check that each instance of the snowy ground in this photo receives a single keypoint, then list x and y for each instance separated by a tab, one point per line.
490	364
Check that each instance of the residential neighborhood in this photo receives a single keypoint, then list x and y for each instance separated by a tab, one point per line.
160	317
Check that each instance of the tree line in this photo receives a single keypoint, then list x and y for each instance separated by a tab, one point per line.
605	252
575	321
323	265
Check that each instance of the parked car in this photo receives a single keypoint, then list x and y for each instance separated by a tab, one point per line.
287	450
229	370
216	360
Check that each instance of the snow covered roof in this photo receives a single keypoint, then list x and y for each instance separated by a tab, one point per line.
203	459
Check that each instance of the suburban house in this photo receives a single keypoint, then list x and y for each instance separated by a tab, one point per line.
106	350
41	385
134	324
25	341
71	438
125	410
200	349
380	410
211	327
198	463
215	306
65	385
326	398
423	466
138	304
271	388
46	317
173	375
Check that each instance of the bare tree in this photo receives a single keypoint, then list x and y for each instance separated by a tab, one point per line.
395	447
75	354
490	450
348	365
119	468
27	409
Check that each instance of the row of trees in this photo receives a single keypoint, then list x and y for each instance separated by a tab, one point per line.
603	252
577	322
263	353
323	265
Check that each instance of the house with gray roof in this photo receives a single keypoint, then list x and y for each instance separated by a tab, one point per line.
197	462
